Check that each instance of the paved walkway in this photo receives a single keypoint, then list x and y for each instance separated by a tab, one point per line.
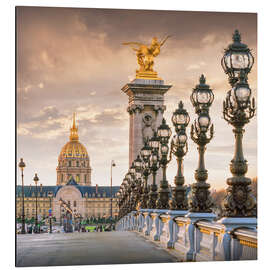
88	248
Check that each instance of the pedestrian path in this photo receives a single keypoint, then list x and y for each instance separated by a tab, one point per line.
88	249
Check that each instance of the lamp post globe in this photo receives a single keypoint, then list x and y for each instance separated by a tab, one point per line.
164	132
203	122
146	152
22	166
138	163
154	141
241	93
180	117
132	170
237	57
202	96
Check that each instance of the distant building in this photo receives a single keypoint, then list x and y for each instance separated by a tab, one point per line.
73	186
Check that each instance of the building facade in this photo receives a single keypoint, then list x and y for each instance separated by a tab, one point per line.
73	186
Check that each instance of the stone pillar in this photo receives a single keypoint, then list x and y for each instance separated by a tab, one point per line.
146	107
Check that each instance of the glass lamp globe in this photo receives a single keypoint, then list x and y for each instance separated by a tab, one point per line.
204	122
132	169
164	131
182	139
146	151
36	179
138	175
138	163
202	96
154	141
237	57
164	149
180	116
241	94
154	158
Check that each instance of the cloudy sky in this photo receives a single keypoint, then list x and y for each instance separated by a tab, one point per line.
72	60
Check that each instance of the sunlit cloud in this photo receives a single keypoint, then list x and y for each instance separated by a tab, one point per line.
73	60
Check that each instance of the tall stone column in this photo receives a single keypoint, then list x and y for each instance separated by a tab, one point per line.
146	107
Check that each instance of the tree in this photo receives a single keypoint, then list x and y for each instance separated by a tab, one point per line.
218	197
254	186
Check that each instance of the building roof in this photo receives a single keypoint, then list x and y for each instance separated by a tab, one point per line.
86	191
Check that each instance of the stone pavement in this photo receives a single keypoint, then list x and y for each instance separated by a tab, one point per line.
88	249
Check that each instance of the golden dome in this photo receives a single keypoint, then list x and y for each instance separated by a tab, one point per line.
73	148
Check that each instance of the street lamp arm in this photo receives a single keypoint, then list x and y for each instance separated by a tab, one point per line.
193	137
211	134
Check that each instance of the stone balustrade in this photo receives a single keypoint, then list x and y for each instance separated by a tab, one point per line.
200	239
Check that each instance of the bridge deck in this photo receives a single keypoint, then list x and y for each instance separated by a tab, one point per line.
88	248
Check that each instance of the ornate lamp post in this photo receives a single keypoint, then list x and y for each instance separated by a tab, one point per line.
154	166
50	195
145	154
201	98
179	148
123	199
164	133
132	172
138	180
36	179
127	192
22	166
238	109
237	57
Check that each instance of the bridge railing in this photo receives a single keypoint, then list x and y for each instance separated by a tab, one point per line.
199	240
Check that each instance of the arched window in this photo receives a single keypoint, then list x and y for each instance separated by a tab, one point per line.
77	163
74	204
69	163
62	178
85	178
77	178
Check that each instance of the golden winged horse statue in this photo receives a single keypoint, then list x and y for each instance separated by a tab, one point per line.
145	57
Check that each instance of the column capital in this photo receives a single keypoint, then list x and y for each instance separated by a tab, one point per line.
135	108
159	108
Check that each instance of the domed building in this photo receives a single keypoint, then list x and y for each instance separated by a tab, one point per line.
73	161
73	189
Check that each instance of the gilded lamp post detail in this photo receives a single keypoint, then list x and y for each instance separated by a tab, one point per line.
201	98
238	109
179	148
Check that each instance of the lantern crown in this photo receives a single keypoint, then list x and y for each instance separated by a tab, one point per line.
202	96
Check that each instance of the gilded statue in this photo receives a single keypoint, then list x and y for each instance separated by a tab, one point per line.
145	57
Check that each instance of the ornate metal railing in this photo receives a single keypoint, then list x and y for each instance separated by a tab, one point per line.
202	240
